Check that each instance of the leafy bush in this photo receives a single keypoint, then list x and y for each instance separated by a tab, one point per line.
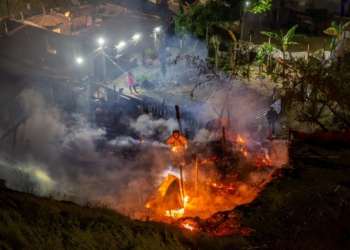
226	67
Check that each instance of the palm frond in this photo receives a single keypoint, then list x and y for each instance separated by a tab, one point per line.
345	26
331	31
272	35
290	34
335	25
232	35
292	43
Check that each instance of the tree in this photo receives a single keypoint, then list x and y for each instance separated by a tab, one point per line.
285	40
315	95
215	40
263	54
336	31
260	6
200	19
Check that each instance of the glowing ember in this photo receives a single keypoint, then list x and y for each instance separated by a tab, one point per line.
174	149
223	189
175	213
188	226
240	140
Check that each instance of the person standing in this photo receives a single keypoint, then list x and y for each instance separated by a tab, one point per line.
271	116
178	144
131	81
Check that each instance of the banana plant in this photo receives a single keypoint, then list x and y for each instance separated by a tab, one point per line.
263	53
336	31
285	40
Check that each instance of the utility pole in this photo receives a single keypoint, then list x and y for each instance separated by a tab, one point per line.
104	69
8	9
244	18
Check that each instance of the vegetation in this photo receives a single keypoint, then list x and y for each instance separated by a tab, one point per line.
31	222
263	55
314	94
336	31
201	19
285	40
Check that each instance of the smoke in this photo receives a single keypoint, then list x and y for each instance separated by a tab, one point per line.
60	154
159	129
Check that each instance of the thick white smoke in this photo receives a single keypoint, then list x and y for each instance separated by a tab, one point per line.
60	154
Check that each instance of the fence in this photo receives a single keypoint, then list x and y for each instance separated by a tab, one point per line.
190	116
259	118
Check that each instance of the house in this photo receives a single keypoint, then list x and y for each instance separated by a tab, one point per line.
55	22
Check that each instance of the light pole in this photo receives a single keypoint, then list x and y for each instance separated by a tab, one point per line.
104	69
243	18
79	62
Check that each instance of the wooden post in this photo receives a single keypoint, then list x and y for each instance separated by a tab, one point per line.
196	180
308	52
178	117
22	16
8	9
234	58
14	140
289	134
223	142
182	186
115	93
228	119
344	43
324	49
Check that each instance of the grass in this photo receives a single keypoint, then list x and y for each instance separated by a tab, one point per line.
31	222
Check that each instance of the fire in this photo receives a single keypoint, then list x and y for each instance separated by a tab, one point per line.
240	140
174	149
179	212
188	226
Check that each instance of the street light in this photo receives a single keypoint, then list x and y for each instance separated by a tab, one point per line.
101	41
157	29
79	60
136	37
120	45
244	17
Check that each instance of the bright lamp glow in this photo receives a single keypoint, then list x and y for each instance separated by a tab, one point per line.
120	45
79	60
157	29
247	3
136	37
101	41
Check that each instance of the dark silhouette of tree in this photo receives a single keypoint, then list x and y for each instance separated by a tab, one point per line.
317	92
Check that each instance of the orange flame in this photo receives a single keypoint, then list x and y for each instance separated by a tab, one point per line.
179	212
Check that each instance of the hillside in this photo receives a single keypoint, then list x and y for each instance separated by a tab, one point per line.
306	206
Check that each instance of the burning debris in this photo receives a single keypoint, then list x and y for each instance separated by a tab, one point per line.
216	184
